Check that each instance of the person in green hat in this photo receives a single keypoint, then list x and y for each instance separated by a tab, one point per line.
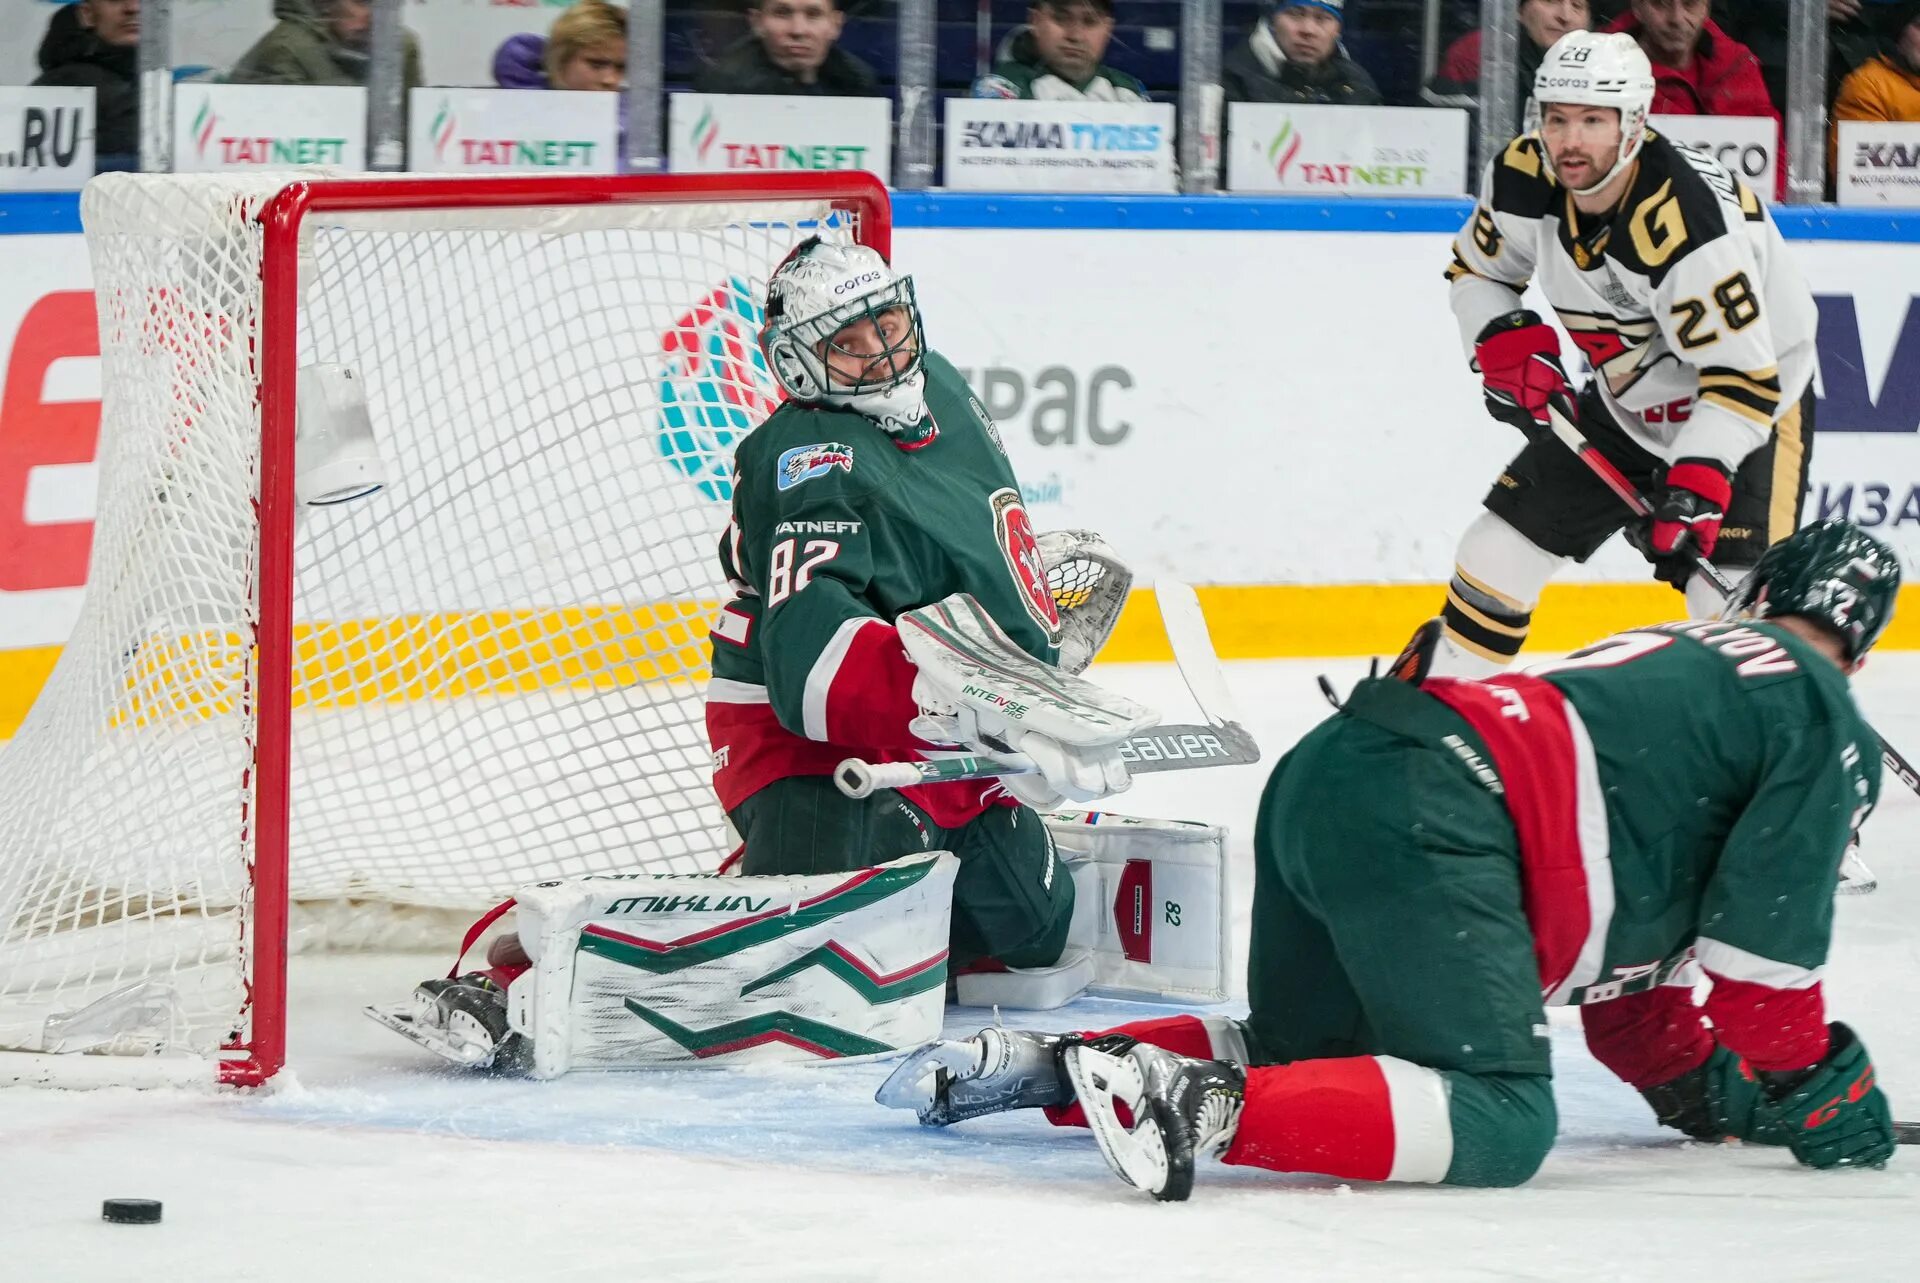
1442	859
1056	57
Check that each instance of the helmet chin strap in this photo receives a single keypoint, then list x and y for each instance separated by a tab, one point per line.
900	411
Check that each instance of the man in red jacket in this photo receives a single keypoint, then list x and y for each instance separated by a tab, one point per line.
1698	69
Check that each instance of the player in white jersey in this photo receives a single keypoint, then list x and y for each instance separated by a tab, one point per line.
1671	277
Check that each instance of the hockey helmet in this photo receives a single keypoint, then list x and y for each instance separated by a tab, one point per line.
819	290
1833	573
1596	69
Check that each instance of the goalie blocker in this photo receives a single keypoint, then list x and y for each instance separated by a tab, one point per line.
624	972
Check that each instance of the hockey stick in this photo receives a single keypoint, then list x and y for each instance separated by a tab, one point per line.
1220	741
1906	1133
1570	436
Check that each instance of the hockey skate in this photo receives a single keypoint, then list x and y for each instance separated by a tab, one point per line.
462	1020
1179	1108
1855	877
989	1073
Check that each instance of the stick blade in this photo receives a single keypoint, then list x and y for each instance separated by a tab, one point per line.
1193	651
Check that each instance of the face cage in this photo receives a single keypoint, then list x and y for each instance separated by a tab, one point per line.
1633	136
811	335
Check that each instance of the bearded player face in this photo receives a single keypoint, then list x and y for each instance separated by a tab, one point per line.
1581	141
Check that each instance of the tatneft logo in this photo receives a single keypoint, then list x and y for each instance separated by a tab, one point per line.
1390	167
715	386
504	153
1034	135
706	137
230	149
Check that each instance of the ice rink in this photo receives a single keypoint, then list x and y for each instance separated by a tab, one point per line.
365	1161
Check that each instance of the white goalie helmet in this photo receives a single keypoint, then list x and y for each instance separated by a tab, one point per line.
813	296
1596	69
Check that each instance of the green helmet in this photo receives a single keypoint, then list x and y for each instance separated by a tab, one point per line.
1832	572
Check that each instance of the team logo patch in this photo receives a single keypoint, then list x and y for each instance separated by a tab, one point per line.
805	462
1014	532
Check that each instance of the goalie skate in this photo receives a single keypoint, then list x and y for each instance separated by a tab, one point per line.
1179	1108
463	1021
989	1073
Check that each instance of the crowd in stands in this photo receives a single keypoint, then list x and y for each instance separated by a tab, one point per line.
1711	57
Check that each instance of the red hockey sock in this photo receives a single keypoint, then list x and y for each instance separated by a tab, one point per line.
1371	1118
1209	1039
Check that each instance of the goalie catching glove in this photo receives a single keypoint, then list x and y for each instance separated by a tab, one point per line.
976	688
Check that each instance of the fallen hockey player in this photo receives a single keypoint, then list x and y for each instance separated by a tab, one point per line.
1438	860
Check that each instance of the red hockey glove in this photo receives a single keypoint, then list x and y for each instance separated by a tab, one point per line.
1686	519
1519	359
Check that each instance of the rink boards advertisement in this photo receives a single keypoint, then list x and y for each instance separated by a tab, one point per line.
1284	417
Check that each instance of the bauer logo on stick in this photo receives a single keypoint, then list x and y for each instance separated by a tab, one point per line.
805	462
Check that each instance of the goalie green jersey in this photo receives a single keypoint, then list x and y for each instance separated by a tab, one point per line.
837	528
1679	793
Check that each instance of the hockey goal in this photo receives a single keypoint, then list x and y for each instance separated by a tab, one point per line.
485	674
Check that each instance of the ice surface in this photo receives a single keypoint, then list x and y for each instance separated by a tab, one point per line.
367	1162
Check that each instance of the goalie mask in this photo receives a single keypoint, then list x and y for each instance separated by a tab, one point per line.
1596	69
843	330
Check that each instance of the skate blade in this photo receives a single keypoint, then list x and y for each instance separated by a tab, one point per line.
1855	877
400	1017
1138	1155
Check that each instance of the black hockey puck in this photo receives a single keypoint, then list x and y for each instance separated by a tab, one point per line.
131	1211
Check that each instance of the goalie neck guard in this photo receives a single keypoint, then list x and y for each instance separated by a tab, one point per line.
1833	573
817	300
1596	69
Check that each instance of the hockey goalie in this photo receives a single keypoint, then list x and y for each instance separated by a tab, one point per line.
892	603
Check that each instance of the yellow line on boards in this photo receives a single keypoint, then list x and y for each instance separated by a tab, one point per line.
447	655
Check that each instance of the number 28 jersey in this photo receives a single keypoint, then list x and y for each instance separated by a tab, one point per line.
1685	300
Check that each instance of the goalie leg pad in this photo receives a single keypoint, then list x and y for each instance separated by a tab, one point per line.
1152	904
1150	913
641	970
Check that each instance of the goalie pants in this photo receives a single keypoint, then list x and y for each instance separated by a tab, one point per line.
1396	1031
1012	899
1555	500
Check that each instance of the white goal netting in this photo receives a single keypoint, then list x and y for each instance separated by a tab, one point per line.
497	659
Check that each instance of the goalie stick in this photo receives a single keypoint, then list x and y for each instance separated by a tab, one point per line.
1560	418
1220	741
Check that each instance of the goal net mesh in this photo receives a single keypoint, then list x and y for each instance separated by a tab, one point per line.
498	658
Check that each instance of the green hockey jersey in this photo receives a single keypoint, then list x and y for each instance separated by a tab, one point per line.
838	528
1682	795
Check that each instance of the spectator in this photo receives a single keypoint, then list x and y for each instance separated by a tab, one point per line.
1887	85
1541	23
584	50
94	45
791	50
1698	69
1057	55
319	42
1295	56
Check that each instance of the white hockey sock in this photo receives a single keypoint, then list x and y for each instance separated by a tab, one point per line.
1498	577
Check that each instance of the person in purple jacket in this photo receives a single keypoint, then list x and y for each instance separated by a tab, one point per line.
586	49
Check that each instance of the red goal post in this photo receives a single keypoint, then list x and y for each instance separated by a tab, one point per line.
608	671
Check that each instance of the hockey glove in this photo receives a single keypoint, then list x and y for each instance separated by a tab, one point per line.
1719	1097
1520	370
1686	519
1836	1116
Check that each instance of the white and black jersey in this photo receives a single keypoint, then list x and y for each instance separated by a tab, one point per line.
1697	321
